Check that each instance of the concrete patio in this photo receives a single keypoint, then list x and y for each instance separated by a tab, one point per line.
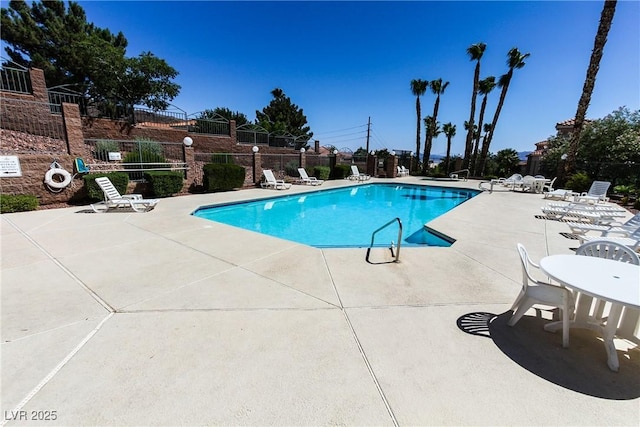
163	318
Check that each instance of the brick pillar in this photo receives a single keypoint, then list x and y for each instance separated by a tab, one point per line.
303	159
392	166
232	132
190	160
372	165
73	128
38	85
332	161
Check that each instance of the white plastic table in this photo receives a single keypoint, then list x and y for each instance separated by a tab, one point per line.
605	279
538	184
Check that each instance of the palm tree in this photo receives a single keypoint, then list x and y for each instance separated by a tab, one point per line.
433	129
606	17
437	87
484	87
450	131
515	60
418	88
475	52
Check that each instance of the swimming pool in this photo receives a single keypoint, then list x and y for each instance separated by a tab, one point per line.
345	217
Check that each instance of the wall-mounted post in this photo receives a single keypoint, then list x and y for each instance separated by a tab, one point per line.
303	158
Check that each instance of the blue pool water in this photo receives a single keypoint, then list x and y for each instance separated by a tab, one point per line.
345	217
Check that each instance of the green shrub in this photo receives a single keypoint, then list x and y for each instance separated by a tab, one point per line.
636	205
164	183
321	172
120	180
578	182
291	168
222	177
18	203
340	172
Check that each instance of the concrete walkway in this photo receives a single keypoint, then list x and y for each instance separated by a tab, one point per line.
163	318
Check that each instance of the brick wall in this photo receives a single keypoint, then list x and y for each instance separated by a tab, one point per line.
75	130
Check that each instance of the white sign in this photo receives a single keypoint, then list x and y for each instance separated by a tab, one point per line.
114	155
10	166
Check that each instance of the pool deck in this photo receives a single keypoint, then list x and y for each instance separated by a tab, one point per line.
162	318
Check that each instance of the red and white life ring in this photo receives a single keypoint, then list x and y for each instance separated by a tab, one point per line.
58	183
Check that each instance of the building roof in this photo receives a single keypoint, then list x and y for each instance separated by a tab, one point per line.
571	122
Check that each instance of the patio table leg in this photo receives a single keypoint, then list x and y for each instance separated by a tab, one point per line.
609	332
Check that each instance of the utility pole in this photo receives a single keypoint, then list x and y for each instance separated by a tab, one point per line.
368	132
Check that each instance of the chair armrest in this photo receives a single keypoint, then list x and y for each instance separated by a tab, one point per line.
132	196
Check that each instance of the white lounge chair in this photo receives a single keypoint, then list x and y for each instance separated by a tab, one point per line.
512	181
596	217
306	179
113	199
624	229
537	292
560	194
271	181
402	171
587	207
356	174
632	240
597	192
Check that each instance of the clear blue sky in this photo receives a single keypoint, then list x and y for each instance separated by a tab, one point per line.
343	62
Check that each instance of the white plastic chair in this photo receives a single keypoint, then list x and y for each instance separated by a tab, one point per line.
537	292
610	250
548	187
597	192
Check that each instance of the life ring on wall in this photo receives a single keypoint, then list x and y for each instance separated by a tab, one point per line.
53	183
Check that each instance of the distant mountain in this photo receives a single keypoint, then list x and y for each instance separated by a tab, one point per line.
522	155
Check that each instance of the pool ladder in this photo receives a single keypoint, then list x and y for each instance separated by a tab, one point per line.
395	255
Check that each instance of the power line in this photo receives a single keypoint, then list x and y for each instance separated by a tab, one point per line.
340	136
342	130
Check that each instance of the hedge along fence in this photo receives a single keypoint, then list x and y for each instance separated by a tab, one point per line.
241	159
223	177
18	203
164	184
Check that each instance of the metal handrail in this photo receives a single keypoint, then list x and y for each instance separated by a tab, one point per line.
373	237
460	172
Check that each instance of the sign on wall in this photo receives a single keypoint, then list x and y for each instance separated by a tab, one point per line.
10	166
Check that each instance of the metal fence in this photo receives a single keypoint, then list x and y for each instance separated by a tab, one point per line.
281	164
134	157
215	125
14	78
163	118
249	133
57	97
